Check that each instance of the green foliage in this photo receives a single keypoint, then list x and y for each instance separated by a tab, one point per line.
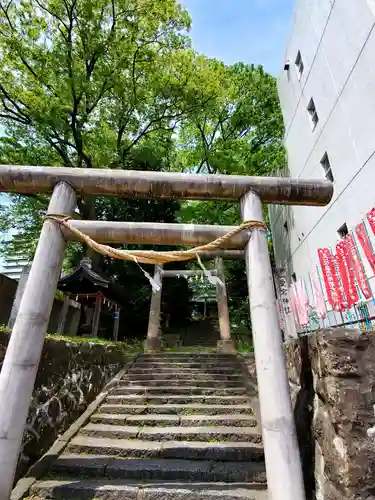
91	78
115	83
243	346
131	345
241	130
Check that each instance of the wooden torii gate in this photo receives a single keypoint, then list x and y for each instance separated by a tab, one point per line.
17	377
225	344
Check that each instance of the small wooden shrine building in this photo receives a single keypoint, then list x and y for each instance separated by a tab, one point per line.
96	294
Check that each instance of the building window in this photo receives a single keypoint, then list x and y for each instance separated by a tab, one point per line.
326	165
343	231
299	65
313	113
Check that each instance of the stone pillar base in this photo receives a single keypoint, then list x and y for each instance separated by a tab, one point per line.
226	347
152	345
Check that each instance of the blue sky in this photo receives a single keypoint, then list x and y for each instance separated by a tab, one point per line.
253	31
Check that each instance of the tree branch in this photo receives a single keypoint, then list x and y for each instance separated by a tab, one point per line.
15	118
53	14
5	10
60	151
20	111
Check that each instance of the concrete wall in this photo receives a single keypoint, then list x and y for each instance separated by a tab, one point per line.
336	39
8	289
332	378
70	376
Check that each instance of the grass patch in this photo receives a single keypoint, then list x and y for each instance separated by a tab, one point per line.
128	345
244	346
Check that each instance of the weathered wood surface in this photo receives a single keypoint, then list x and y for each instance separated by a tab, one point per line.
63	315
186	272
133	184
224	254
116	323
152	233
22	357
96	318
283	461
19	293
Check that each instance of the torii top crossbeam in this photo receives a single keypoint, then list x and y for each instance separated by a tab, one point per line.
138	184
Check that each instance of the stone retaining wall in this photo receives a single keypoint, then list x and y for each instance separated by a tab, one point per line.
70	376
332	377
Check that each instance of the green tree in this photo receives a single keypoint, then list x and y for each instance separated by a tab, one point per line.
115	83
240	132
91	79
94	83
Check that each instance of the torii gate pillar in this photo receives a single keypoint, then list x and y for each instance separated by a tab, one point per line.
283	462
153	341
26	342
225	345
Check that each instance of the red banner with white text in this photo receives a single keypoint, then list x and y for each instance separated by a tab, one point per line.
331	280
364	240
371	219
357	266
346	274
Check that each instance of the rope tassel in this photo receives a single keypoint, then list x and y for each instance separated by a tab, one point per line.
151	256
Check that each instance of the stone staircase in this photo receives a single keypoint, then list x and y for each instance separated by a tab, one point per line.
175	427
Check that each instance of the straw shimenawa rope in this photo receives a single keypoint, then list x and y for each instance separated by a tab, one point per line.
151	256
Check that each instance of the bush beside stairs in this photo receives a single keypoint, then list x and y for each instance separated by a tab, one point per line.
175	427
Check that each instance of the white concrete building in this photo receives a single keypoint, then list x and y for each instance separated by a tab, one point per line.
12	266
327	94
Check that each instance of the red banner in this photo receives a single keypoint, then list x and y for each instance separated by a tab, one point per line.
347	277
364	240
331	280
357	266
371	219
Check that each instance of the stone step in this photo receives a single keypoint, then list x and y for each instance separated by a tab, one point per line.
174	433
232	420
194	356
189	450
159	469
225	370
185	373
174	420
175	409
176	399
191	359
203	377
193	364
154	391
192	382
122	489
